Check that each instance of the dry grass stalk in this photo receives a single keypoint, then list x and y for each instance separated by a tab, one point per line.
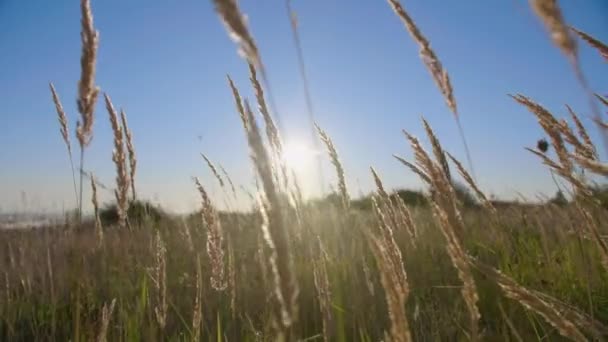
197	314
215	239
602	99
368	277
232	284
272	133
237	99
551	126
236	25
510	324
160	282
229	179
414	169
568	135
395	291
213	170
386	208
593	228
532	302
322	287
428	56
95	202
335	160
281	261
551	15
601	47
63	129
591	164
469	180
106	316
437	149
445	210
119	158
388	240
131	151
406	220
582	133
580	186
187	235
87	90
63	121
576	316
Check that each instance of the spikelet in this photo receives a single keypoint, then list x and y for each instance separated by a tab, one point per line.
469	180
119	158
414	169
131	151
280	259
63	121
284	279
106	316
582	133
406	220
213	170
236	25
428	56
87	90
551	15
197	314
63	129
95	202
395	291
160	282
601	47
437	149
322	287
272	133
532	302
215	239
335	160
229	179
551	126
447	215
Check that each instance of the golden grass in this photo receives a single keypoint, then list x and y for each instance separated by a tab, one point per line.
119	158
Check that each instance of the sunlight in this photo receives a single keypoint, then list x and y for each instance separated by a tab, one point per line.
298	156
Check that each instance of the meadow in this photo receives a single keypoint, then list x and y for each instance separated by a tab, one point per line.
446	264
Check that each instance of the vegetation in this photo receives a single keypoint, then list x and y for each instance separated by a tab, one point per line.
446	263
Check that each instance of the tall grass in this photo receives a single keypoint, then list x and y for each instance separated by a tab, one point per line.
448	267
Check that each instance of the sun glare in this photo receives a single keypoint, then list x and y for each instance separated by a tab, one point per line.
298	156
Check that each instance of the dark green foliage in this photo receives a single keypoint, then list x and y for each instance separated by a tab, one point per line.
139	212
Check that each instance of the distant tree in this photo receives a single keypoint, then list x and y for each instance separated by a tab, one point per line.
139	211
559	199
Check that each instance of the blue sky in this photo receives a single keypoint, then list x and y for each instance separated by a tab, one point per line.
165	63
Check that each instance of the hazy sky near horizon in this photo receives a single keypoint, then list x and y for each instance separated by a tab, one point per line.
165	63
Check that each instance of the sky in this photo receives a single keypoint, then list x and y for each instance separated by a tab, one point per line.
165	63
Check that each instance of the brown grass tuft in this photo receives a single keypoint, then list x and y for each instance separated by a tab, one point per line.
87	90
601	47
335	160
532	302
236	25
131	150
551	15
95	202
215	239
106	316
428	56
213	170
119	158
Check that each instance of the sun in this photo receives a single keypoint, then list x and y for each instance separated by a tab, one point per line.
298	156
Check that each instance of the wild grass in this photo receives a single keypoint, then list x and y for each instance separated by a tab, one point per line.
387	267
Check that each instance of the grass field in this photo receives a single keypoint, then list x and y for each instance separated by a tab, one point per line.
448	264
